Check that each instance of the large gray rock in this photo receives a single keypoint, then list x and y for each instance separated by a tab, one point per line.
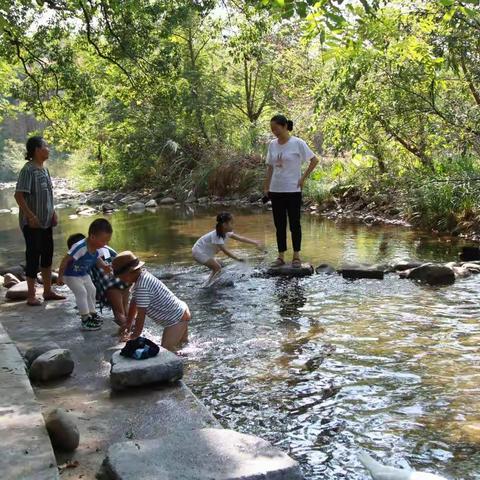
9	280
431	274
136	207
167	201
151	204
51	365
95	199
18	292
206	454
33	353
325	269
107	207
62	430
288	271
127	372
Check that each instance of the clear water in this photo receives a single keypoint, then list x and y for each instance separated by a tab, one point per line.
320	366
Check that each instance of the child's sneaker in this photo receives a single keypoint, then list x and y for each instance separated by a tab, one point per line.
97	318
90	324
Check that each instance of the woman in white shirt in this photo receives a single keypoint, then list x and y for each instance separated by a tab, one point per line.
284	183
212	242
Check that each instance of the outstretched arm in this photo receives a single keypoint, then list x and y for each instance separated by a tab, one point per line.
230	254
239	238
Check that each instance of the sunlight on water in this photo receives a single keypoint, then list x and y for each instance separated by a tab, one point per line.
320	366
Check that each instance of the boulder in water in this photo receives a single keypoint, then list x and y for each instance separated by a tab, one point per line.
288	270
167	201
136	207
325	269
469	254
151	203
431	274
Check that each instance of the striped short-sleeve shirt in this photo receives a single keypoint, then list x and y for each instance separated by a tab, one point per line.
35	183
161	305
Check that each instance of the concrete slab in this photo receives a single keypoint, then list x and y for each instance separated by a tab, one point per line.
288	271
126	372
26	450
103	417
206	454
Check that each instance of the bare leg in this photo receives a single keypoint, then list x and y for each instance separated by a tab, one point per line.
32	299
116	300
215	267
172	336
48	293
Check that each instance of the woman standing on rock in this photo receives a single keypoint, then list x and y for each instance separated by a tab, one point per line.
284	183
34	196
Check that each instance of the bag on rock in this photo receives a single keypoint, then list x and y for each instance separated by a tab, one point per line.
140	348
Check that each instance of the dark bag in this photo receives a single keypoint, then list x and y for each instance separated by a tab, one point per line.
140	348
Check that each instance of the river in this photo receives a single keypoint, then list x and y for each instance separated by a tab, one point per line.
320	366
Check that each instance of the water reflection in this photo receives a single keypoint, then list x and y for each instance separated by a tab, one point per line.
321	366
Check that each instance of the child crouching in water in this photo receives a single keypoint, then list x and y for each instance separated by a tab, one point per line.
212	242
76	265
150	297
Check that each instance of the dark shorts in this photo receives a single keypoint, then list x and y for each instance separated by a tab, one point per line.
39	249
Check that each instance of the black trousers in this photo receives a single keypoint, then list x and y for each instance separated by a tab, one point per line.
287	204
39	251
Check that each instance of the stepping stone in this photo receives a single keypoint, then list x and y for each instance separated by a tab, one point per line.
127	372
206	454
52	365
288	271
431	274
18	291
355	273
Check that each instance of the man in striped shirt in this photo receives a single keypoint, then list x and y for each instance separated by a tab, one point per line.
150	297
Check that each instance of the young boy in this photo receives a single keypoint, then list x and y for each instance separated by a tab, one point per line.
75	267
150	297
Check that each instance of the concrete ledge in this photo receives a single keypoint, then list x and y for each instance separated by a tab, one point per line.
206	454
26	450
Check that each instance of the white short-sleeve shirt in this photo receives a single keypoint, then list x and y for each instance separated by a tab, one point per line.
209	244
286	161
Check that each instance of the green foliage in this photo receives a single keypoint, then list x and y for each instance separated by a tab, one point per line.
148	92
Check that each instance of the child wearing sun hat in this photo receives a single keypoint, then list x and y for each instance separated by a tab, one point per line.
150	297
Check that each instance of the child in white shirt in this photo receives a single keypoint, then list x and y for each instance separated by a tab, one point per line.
207	246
